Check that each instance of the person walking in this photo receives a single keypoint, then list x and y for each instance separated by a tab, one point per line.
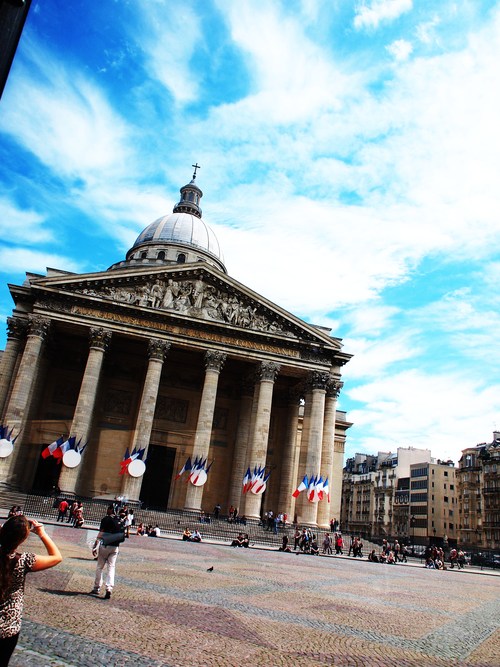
107	543
13	569
62	510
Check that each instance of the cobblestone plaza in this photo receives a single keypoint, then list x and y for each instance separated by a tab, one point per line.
256	607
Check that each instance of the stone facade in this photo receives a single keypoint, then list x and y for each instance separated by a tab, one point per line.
478	481
406	495
180	359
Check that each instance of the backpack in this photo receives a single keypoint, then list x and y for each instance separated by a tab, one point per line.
117	536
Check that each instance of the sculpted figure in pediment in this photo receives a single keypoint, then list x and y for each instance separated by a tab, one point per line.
195	298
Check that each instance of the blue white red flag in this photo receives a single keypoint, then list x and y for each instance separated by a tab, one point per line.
301	487
326	490
318	490
69	443
50	449
128	458
185	467
246	481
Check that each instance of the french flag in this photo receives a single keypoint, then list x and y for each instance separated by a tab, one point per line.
261	481
197	467
326	490
318	490
312	488
246	481
301	487
50	449
63	447
127	459
255	476
185	467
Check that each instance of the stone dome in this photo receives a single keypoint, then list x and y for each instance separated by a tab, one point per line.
181	237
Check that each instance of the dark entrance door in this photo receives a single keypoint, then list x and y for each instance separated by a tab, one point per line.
47	474
156	483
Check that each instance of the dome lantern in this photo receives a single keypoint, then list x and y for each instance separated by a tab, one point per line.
179	238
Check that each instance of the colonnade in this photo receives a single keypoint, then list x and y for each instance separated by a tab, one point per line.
18	375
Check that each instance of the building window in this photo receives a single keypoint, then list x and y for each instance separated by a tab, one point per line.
446	473
144	255
161	254
446	499
181	258
452	487
419	497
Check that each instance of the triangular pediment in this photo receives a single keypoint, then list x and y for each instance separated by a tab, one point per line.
196	293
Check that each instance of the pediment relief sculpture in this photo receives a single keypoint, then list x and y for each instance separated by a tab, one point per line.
195	298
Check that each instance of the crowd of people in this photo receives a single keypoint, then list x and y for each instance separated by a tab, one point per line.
391	554
70	513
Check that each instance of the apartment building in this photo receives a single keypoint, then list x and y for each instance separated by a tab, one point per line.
478	482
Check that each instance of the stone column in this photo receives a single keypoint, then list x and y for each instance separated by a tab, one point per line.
214	361
238	468
99	338
16	332
157	350
259	438
17	411
327	452
336	485
288	456
319	383
300	463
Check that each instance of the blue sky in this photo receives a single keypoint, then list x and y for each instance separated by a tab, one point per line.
350	157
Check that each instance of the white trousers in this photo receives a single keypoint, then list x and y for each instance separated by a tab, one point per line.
106	556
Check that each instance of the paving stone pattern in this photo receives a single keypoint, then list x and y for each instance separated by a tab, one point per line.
257	608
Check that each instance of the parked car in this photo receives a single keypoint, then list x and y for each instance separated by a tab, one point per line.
486	560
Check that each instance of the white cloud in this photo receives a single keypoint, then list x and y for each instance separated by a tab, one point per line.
375	357
17	261
371	14
68	124
401	49
426	31
410	408
22	226
289	83
169	33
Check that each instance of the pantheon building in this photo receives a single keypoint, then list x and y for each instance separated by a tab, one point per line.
166	352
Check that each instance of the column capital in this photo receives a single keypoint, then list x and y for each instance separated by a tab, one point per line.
333	388
214	360
16	327
38	326
158	348
318	380
268	370
99	338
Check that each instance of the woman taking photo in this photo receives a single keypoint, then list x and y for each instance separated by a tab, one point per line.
13	569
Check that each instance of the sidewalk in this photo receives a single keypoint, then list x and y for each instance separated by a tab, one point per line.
256	607
471	569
